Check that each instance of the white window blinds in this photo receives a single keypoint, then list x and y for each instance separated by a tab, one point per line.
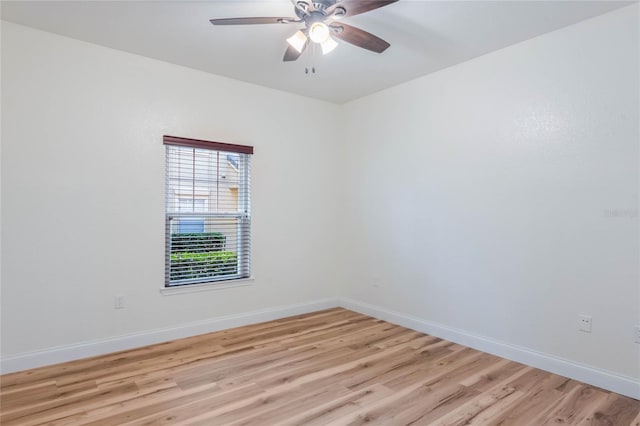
208	211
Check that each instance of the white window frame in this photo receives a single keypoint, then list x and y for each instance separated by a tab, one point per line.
243	215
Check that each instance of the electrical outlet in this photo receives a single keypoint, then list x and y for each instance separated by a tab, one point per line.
118	302
636	334
584	323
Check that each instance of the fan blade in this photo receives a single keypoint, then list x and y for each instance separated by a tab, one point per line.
356	7
358	37
251	21
291	54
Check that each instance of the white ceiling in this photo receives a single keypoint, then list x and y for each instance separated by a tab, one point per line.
425	36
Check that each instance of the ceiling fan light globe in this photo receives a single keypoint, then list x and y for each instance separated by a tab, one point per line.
318	32
328	45
297	41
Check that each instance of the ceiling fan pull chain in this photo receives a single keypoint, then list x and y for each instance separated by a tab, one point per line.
311	56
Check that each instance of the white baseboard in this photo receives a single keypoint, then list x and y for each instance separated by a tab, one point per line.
55	355
605	379
594	376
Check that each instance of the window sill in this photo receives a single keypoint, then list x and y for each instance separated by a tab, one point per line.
195	288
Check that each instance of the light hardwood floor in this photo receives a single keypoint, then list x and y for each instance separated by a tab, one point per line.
331	367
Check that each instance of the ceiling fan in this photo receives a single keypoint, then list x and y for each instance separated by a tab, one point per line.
320	26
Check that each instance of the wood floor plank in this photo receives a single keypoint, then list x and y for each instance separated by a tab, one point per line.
329	367
578	404
155	398
541	390
617	410
467	412
445	395
339	407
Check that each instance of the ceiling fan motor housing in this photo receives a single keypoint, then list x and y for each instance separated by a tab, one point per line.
316	11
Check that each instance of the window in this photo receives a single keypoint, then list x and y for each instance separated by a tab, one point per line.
208	214
187	225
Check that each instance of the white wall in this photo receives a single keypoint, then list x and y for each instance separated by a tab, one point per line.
83	190
500	196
